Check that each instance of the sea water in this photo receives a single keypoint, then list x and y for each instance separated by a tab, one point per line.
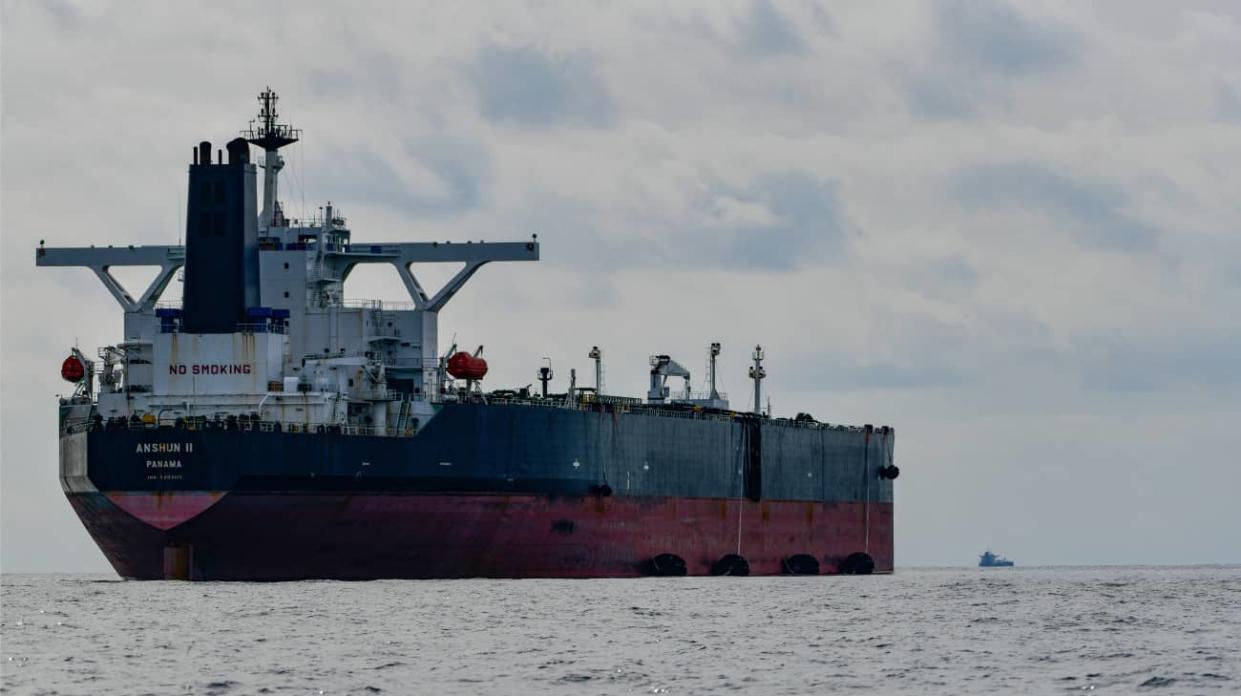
1124	630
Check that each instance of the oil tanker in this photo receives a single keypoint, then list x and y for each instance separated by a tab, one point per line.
265	427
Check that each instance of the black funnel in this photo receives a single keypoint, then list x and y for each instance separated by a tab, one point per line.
221	242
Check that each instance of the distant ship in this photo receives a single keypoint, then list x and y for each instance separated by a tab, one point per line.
990	560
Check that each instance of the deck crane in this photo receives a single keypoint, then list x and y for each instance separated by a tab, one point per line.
663	367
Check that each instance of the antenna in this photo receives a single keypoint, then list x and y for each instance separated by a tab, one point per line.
713	353
597	355
271	136
757	373
545	375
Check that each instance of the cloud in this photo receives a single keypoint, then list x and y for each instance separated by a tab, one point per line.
462	170
933	94
765	31
834	370
1228	102
528	87
1093	212
981	47
775	222
1112	362
66	15
436	176
995	37
953	271
950	277
333	83
778	221
904	349
573	235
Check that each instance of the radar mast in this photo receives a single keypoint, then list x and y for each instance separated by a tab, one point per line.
266	133
758	373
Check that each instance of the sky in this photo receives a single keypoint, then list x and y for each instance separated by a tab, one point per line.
1010	231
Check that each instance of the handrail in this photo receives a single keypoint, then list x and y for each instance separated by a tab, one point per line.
634	407
638	407
383	305
89	425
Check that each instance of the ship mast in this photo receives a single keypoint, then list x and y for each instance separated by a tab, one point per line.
757	373
712	354
545	375
271	136
597	355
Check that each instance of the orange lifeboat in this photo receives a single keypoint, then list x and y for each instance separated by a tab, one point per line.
72	369
462	365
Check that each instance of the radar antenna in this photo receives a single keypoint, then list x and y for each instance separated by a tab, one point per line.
545	375
266	133
270	135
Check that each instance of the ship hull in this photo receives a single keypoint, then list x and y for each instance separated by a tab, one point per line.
346	536
482	491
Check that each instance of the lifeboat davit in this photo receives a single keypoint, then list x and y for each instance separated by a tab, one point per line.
72	369
462	365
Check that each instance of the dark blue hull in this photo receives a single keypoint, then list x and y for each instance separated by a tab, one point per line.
513	449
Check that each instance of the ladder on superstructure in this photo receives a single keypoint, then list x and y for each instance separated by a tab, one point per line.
402	417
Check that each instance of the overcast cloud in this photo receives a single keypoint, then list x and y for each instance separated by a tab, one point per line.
1010	232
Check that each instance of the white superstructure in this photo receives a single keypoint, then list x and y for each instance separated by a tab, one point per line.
302	355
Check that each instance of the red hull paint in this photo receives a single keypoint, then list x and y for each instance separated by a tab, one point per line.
165	510
273	537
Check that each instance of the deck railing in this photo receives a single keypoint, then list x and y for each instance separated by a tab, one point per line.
614	405
589	402
89	425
